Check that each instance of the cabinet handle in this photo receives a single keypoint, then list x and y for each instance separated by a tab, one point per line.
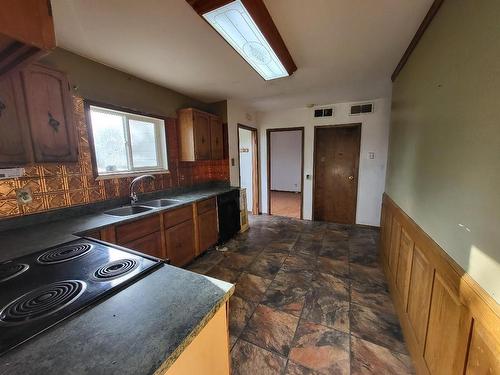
202	139
53	123
2	107
216	141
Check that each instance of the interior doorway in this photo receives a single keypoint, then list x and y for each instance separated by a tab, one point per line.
285	170
336	163
249	165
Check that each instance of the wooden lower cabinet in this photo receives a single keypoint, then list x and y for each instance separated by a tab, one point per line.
149	244
179	241
450	324
208	232
208	353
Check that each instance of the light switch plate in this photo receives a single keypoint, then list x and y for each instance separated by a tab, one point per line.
11	173
371	155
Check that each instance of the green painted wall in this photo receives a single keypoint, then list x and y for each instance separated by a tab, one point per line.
92	80
444	153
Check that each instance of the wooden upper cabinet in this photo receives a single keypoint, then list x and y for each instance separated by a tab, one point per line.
26	32
201	122
49	106
200	135
216	138
15	144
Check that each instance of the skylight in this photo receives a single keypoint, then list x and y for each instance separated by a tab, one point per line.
236	26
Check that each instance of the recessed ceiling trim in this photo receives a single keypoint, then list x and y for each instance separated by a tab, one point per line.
262	19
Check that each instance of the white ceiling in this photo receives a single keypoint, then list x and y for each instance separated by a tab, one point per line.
345	50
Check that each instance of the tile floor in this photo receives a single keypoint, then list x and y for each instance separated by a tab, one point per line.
285	204
310	299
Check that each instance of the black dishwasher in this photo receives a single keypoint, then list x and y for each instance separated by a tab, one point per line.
229	214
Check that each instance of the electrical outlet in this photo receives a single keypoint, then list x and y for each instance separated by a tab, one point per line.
24	195
371	155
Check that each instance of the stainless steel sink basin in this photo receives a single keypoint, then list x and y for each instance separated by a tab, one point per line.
127	210
161	202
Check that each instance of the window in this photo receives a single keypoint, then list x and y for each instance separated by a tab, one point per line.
125	142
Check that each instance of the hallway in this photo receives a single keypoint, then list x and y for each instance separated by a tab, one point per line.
310	299
285	203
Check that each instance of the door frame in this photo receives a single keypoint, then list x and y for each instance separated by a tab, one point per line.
268	138
255	167
349	125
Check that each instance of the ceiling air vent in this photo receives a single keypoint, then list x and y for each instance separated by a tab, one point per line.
323	112
358	109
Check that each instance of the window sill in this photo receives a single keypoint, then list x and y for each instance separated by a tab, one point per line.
130	174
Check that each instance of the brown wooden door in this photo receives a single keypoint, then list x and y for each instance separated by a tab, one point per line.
201	124
150	244
180	243
50	114
336	173
216	138
208	232
15	143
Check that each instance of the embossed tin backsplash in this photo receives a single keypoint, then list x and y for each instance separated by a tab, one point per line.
62	185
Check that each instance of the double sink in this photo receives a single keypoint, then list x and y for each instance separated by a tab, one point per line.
142	207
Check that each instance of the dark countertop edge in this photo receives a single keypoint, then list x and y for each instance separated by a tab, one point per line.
170	360
108	220
154	210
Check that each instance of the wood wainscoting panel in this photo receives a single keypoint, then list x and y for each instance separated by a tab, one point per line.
419	295
394	247
404	266
484	352
448	330
451	325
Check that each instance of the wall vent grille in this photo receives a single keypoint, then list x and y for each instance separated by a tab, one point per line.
323	112
362	108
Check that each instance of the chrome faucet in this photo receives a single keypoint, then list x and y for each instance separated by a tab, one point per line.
133	194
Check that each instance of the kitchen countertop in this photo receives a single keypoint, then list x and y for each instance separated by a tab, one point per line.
132	332
169	307
22	241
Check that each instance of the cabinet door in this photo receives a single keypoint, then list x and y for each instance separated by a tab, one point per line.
201	123
49	110
180	243
15	145
150	244
207	227
216	138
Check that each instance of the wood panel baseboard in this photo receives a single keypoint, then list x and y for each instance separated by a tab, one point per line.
451	325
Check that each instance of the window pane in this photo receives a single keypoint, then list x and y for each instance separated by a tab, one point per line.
143	141
109	141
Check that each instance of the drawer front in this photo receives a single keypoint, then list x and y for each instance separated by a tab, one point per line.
177	216
149	244
137	229
206	205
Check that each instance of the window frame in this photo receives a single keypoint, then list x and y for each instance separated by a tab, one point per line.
130	114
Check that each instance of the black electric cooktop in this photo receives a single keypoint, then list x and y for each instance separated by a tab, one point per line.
39	290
